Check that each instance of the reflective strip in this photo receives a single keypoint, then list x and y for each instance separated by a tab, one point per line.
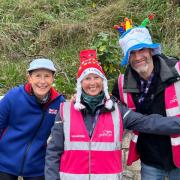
97	146
175	141
61	111
125	98
126	113
69	176
122	91
120	87
116	119
66	124
134	138
173	111
177	88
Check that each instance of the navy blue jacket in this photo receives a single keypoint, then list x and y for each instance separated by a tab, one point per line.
25	127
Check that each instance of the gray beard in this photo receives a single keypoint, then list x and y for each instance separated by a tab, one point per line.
143	72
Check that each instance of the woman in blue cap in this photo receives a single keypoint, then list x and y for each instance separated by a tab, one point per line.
27	113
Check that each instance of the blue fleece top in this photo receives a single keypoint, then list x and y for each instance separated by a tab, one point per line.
26	126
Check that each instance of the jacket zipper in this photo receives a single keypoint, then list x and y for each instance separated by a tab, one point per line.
29	144
90	159
90	146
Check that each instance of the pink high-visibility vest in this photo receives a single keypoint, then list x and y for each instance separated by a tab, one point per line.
95	158
172	105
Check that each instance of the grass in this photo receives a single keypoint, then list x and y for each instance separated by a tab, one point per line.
59	29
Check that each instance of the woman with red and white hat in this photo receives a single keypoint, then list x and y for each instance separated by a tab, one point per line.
87	134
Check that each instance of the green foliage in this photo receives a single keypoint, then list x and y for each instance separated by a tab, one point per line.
66	70
12	74
59	29
108	53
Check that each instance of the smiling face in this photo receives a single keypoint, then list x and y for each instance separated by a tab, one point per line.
141	61
41	81
92	84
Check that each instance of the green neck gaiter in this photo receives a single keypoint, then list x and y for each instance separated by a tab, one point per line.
92	101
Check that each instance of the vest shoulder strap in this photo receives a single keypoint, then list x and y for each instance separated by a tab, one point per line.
64	108
120	87
125	98
172	99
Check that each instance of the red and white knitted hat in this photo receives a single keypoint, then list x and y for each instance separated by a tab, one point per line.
89	64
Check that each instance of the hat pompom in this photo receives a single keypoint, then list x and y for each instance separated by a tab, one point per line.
109	102
78	106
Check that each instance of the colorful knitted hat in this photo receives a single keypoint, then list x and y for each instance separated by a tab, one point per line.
135	38
89	64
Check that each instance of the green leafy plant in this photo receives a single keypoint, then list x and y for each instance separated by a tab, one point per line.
60	29
108	53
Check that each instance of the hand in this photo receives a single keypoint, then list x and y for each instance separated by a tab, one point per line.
73	98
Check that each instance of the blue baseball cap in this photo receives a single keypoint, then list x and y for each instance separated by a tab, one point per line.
135	39
41	63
